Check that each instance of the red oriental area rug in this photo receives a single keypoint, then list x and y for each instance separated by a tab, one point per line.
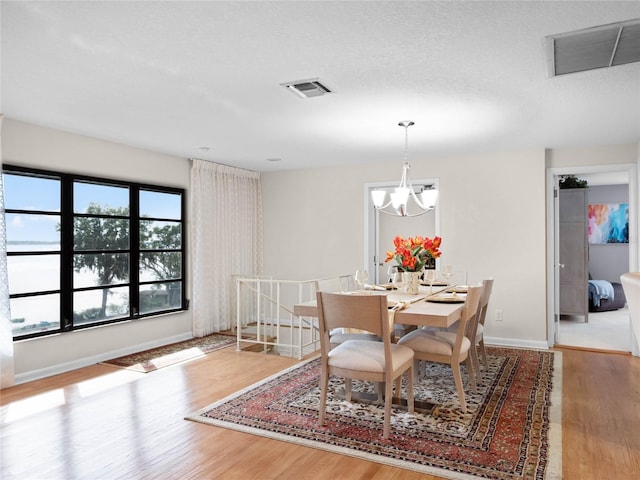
512	428
159	357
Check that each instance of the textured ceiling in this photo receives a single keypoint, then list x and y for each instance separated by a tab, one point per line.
177	76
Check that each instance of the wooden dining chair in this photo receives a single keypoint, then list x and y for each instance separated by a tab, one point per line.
442	346
381	362
475	329
478	335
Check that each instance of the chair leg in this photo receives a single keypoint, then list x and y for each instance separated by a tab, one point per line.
476	363
379	388
472	376
484	353
388	394
324	382
399	387
347	389
458	379
416	369
410	400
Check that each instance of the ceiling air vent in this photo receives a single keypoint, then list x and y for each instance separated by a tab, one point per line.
592	48
307	88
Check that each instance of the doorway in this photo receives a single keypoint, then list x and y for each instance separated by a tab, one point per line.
604	330
380	229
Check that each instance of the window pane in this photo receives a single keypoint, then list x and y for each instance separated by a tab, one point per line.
35	314
160	235
30	232
160	266
92	270
91	233
160	205
103	199
97	305
31	193
33	273
162	296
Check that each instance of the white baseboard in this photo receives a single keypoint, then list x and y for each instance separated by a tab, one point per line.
92	360
516	342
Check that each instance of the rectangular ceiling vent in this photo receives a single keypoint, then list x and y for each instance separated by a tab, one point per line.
307	88
592	48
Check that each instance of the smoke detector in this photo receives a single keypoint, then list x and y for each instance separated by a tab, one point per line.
591	48
307	88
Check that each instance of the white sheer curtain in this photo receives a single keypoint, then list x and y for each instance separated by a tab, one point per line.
226	239
6	332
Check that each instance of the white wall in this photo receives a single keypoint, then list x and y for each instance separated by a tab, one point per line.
37	147
601	155
492	221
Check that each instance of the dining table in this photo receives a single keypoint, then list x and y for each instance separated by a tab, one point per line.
430	307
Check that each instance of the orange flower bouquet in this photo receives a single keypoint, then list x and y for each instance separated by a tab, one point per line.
413	253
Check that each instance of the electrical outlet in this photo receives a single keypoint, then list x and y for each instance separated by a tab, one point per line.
498	316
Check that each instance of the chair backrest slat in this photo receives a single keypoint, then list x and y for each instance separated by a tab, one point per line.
469	311
484	300
481	311
362	312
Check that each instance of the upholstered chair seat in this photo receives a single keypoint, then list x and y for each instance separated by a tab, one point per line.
366	356
438	342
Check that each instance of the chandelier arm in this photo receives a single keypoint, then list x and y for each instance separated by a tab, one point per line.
382	207
395	213
405	174
417	200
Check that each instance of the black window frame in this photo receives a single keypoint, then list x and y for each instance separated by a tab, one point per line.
66	252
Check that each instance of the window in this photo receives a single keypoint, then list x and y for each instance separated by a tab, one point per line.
87	251
33	216
160	239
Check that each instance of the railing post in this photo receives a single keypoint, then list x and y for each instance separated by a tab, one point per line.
299	324
238	314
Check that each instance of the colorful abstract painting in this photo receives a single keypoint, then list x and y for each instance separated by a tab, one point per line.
609	223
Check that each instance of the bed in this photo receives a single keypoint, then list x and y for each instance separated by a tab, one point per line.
605	296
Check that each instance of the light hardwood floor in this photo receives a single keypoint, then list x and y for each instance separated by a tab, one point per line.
106	423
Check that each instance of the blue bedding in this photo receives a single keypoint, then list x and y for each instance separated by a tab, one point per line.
600	289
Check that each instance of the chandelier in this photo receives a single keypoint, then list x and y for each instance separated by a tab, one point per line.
404	201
